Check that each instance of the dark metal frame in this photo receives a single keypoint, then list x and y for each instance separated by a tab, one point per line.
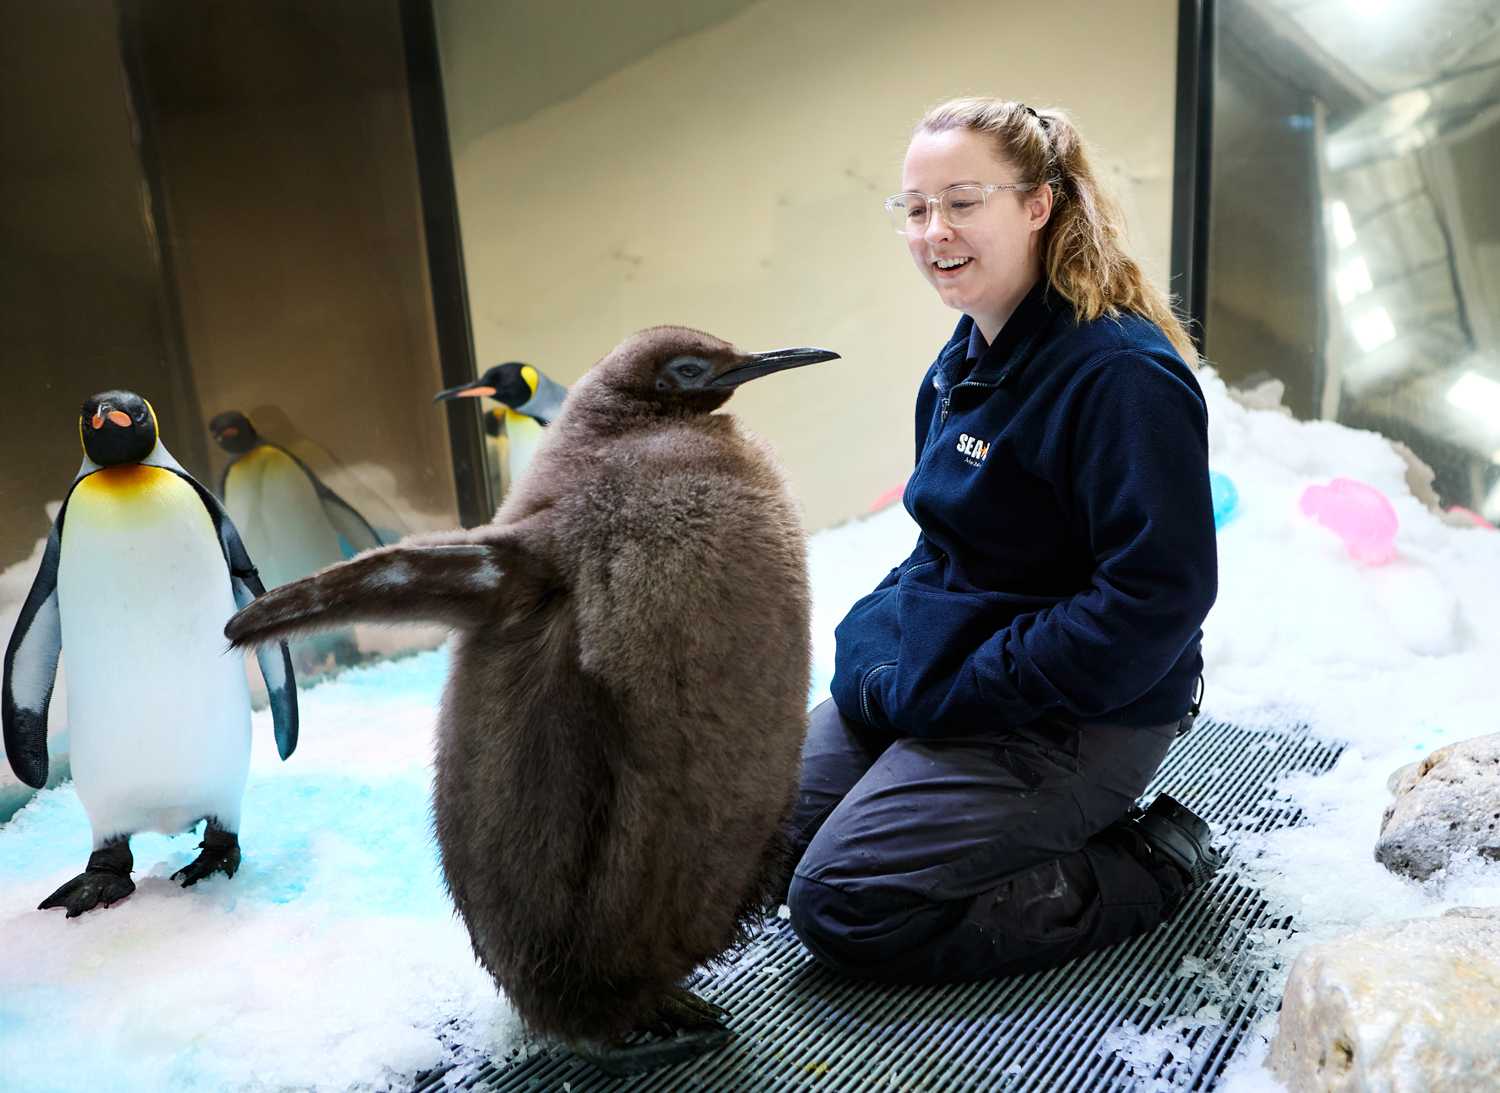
1192	160
445	258
187	435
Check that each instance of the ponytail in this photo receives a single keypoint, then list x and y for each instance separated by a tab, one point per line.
1081	251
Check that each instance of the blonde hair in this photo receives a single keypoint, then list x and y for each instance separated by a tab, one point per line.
1081	249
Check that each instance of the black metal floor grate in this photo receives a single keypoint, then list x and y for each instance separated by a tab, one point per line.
1164	1011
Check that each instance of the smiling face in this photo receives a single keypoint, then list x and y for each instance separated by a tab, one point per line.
983	269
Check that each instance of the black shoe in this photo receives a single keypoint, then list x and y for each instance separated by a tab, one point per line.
1179	837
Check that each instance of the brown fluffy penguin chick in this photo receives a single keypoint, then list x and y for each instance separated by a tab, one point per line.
619	738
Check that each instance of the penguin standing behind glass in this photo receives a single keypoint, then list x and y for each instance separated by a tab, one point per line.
141	571
529	400
291	522
619	738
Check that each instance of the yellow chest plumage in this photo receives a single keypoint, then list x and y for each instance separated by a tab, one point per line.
133	497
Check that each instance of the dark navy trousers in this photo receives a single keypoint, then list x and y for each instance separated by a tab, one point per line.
940	860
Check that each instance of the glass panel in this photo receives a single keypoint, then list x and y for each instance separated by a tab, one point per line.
1355	227
216	205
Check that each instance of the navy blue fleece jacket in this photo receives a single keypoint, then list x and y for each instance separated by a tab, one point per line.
1067	556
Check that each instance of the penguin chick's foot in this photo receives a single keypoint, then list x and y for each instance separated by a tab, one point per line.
106	880
683	1027
221	854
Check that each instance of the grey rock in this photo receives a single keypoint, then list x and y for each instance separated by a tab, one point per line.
1445	804
1405	1007
1419	478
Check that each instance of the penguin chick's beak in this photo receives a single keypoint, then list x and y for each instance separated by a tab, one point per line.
763	364
463	390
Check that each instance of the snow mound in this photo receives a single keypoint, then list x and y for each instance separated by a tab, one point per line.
331	961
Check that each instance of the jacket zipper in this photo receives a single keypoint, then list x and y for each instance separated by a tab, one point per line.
1022	353
864	691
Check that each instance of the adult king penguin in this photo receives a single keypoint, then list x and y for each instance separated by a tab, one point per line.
141	570
529	399
293	524
619	738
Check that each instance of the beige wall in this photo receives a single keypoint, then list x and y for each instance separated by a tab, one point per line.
732	180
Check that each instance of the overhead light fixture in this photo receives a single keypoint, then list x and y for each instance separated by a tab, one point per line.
1373	329
1353	280
1478	395
1343	225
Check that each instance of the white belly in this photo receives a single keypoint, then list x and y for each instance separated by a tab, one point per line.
158	706
525	434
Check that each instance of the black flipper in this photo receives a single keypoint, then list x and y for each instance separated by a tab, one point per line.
31	666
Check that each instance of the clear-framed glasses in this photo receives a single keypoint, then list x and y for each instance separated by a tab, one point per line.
957	205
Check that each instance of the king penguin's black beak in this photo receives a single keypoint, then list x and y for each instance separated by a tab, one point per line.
464	390
778	360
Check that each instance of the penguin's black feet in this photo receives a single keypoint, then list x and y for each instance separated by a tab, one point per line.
106	880
683	1027
221	854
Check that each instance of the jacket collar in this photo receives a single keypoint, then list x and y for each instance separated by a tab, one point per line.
1011	348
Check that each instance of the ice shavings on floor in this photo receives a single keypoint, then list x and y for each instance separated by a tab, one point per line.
332	961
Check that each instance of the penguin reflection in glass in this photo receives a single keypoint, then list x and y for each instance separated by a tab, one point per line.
529	401
292	523
619	740
141	571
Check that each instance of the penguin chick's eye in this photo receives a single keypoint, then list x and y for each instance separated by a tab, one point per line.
686	373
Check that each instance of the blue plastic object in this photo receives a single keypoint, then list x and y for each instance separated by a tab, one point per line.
1226	498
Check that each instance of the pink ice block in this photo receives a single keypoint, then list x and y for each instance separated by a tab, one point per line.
1471	516
1359	514
892	494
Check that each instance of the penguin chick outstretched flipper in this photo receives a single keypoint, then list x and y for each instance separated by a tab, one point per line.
221	854
425	580
683	1027
105	881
